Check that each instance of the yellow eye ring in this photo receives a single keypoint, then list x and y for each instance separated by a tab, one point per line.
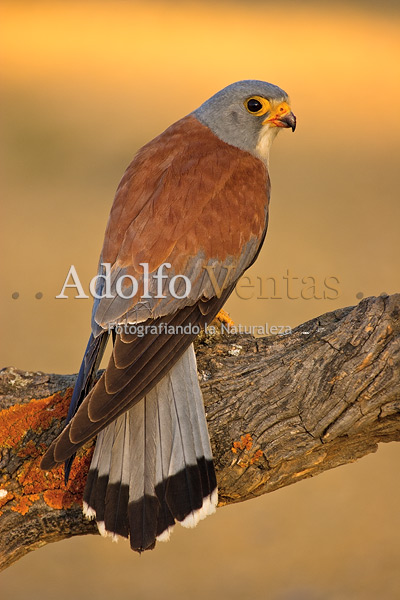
257	105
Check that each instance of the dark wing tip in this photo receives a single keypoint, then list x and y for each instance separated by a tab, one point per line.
47	463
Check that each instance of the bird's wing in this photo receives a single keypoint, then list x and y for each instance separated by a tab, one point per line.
191	201
199	204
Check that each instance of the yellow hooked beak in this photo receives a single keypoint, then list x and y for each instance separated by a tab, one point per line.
281	116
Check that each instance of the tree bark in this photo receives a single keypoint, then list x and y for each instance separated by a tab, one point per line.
279	409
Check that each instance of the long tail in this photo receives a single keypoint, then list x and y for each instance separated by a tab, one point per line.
153	465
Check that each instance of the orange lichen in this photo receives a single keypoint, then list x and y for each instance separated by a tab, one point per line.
30	449
36	415
33	484
24	503
79	471
30	483
256	457
58	499
245	445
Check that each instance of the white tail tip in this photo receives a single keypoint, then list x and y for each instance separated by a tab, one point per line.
208	508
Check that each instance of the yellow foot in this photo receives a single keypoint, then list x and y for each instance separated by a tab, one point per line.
223	317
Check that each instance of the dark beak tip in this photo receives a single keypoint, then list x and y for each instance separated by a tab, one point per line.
289	121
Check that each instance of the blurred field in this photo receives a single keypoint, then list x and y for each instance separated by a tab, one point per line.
84	86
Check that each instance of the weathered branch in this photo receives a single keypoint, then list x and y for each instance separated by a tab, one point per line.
279	409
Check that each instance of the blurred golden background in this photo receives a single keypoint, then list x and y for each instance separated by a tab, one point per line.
84	85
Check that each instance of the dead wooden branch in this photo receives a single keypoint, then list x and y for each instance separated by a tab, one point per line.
279	409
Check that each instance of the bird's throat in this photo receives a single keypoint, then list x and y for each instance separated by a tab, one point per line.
265	139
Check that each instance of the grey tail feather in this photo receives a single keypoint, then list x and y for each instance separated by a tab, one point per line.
153	465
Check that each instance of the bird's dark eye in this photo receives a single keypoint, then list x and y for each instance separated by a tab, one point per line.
257	105
254	105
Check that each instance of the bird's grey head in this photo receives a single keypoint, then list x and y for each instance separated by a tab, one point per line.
248	115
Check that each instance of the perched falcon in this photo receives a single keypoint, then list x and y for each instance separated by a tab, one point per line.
189	217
